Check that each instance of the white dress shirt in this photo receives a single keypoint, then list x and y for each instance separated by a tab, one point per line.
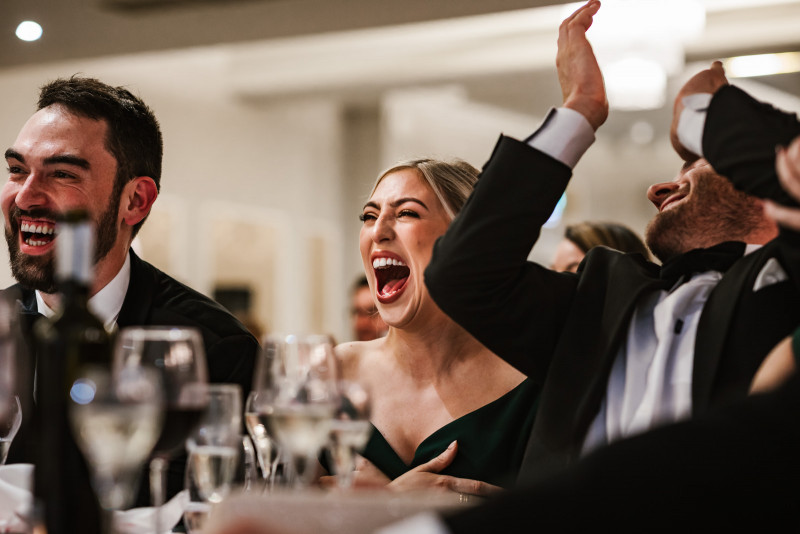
106	303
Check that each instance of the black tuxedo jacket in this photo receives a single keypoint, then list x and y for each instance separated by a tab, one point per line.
154	298
722	471
564	329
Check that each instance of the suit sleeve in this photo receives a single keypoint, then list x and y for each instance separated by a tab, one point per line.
479	274
740	138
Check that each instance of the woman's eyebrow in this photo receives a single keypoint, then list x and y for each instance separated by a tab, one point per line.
395	203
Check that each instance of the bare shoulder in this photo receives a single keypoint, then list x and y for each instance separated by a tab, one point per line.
354	357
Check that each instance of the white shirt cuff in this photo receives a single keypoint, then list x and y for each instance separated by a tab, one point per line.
565	136
693	120
424	523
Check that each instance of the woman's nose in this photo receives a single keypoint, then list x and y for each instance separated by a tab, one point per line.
383	229
657	193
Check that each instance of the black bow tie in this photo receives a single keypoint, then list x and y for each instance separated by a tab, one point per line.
717	258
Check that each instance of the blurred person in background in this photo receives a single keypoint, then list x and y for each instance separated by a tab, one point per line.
367	322
582	237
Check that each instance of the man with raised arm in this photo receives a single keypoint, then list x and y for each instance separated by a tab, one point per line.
625	345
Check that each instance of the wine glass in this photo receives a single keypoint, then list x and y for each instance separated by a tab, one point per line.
266	448
215	444
10	407
116	419
10	421
350	430
295	383
179	356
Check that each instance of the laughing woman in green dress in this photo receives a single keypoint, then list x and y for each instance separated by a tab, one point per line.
447	412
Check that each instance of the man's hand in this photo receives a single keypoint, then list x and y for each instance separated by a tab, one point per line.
578	71
426	476
787	163
707	81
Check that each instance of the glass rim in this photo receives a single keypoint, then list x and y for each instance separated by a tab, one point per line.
159	333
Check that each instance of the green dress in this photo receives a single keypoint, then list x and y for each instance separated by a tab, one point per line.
491	441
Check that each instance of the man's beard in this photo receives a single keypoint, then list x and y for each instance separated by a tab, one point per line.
38	272
714	212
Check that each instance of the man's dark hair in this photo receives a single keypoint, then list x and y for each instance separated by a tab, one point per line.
134	137
359	282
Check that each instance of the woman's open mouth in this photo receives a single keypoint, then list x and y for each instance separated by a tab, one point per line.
391	275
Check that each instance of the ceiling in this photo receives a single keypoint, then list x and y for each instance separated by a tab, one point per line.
500	52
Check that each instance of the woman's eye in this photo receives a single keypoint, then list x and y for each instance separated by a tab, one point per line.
364	217
408	213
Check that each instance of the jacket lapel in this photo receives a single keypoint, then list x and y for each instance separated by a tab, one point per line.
139	298
715	323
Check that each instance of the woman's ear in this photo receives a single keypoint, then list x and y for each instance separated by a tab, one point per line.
137	199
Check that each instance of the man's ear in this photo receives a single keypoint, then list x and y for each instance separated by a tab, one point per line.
137	198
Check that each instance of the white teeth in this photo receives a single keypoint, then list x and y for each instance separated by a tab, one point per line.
37	229
378	263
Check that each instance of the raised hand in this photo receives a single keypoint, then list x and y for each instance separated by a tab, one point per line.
578	71
708	81
787	163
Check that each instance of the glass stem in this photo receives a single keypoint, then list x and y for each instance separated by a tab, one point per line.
158	488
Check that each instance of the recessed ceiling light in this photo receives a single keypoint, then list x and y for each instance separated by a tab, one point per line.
29	30
762	64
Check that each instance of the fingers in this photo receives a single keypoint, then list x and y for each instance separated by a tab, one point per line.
578	71
327	481
468	486
586	11
441	461
787	217
787	163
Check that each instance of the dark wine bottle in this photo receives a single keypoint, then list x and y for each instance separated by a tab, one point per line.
71	341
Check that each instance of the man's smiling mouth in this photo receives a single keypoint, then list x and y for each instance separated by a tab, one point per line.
37	233
671	201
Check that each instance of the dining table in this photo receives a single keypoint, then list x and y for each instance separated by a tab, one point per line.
355	511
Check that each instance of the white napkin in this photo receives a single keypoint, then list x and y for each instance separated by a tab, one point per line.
15	495
16	481
142	520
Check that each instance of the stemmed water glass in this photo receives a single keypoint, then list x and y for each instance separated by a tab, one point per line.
10	407
116	418
214	449
10	421
178	355
215	444
350	430
266	448
295	382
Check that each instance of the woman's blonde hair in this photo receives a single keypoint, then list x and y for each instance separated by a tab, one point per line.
451	182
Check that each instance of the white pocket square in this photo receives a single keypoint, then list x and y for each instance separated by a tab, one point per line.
771	273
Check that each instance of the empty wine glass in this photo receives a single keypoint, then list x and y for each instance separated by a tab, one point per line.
350	430
266	448
296	382
116	419
179	356
10	421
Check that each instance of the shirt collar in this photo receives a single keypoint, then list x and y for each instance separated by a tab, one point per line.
106	303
